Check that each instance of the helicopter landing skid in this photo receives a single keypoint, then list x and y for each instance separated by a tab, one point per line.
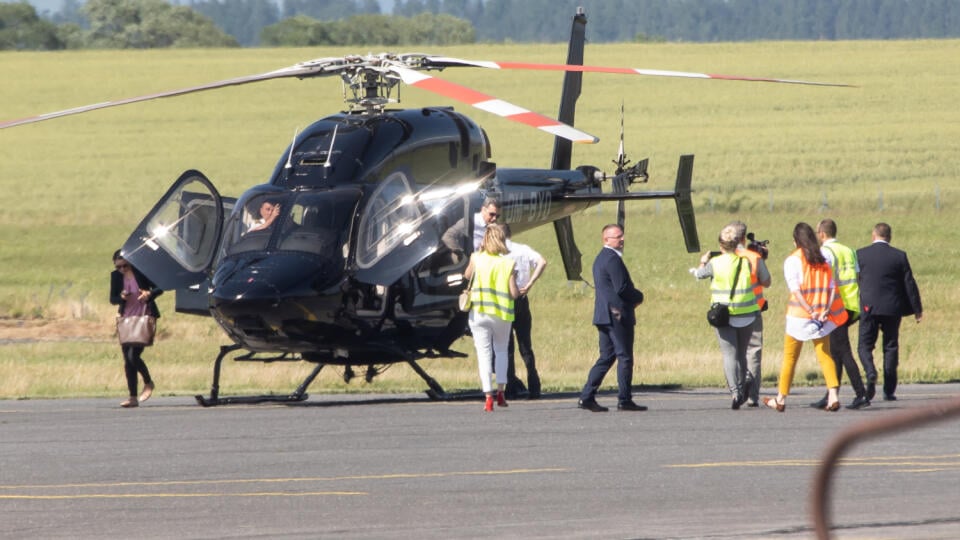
300	394
435	392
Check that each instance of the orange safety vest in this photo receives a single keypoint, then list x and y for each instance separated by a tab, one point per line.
753	257
815	289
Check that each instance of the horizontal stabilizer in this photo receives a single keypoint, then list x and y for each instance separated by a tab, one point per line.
681	195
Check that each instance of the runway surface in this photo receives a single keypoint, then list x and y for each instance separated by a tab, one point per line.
382	466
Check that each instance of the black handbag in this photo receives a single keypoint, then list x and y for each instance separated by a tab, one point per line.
719	314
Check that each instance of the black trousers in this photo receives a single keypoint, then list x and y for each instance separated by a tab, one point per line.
870	328
522	328
616	345
133	365
843	355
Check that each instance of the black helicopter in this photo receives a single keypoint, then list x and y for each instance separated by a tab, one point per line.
338	259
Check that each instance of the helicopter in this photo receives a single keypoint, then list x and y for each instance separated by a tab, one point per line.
338	259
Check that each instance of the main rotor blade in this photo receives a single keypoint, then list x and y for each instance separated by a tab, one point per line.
492	105
442	61
305	69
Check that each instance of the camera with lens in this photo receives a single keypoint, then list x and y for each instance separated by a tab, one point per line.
757	246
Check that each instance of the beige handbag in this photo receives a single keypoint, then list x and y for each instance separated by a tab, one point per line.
465	301
136	330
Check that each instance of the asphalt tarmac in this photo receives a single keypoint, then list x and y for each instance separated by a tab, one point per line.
384	466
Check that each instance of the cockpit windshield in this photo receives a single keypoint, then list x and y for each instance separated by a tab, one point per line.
311	222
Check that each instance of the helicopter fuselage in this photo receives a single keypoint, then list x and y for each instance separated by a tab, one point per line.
353	270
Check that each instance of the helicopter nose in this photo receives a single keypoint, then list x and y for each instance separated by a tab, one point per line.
275	277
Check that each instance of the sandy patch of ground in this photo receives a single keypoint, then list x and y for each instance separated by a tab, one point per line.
16	330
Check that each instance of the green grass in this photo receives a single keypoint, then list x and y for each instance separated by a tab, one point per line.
72	189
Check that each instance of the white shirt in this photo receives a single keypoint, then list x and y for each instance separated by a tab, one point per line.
802	328
479	229
526	260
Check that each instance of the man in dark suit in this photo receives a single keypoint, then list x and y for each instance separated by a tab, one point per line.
614	302
888	292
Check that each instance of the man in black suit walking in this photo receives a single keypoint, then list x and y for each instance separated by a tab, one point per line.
614	302
888	292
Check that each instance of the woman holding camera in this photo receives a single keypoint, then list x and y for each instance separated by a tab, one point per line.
731	285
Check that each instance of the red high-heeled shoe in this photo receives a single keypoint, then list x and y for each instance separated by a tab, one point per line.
501	399
488	406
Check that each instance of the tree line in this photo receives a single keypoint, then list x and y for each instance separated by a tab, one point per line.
226	23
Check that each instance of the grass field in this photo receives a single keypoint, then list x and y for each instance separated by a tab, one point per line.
72	189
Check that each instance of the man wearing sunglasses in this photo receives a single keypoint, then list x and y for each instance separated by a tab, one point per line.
454	237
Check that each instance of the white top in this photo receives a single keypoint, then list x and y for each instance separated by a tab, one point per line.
479	229
526	260
802	328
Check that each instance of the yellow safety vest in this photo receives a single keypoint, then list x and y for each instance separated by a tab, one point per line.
724	267
845	274
491	285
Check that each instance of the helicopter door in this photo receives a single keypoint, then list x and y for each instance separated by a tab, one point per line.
176	242
440	276
394	234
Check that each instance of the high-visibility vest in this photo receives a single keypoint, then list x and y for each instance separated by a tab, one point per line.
491	285
743	300
754	257
815	290
845	274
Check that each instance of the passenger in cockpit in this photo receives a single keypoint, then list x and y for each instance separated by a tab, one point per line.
269	212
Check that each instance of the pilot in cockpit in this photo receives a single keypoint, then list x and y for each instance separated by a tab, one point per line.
269	212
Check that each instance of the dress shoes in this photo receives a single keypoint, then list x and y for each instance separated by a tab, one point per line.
752	403
591	405
819	404
737	401
630	406
859	402
889	397
501	400
871	389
